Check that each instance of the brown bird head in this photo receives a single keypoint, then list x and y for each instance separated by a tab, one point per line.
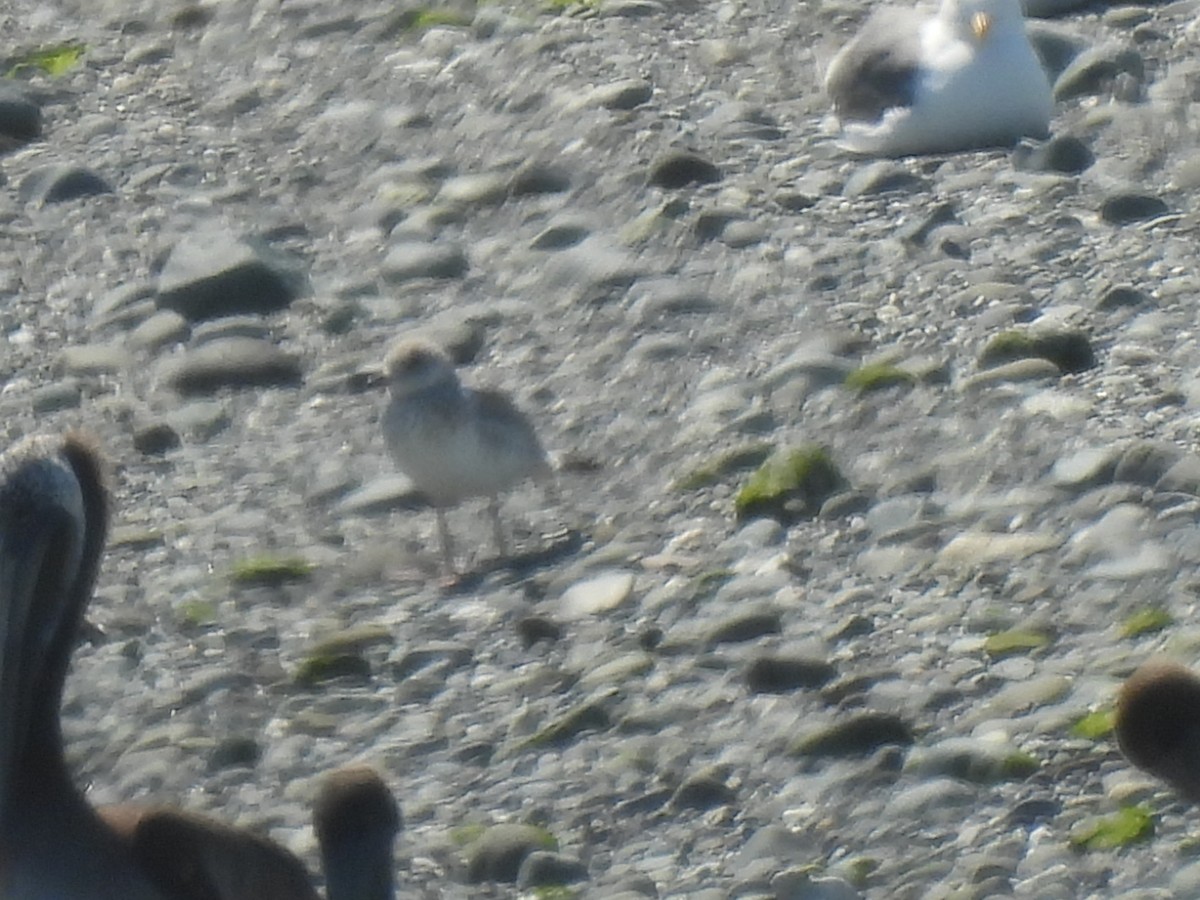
356	819
1158	724
53	522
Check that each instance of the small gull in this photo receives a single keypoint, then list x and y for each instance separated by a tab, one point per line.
963	78
453	441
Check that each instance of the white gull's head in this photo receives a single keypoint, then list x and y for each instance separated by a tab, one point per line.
981	20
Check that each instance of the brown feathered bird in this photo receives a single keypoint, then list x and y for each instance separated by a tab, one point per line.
1158	724
54	510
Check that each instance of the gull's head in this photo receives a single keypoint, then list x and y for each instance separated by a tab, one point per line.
413	365
979	20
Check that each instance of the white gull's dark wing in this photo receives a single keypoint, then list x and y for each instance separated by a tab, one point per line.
880	67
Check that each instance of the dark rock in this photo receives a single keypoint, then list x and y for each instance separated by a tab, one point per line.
1124	208
1066	154
155	439
538	178
590	716
20	115
1095	70
190	16
918	232
1071	351
791	484
650	637
746	627
545	868
1146	462
58	183
859	734
739	121
1119	296
476	753
1031	812
212	273
711	222
795	201
677	170
235	751
777	674
316	670
855	626
1054	46
538	628
703	791
624	95
234	362
500	851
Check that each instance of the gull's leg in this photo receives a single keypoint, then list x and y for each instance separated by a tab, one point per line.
446	541
497	528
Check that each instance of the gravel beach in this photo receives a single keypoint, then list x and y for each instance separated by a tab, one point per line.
888	678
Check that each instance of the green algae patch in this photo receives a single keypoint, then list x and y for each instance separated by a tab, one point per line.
1146	621
270	571
465	835
553	892
198	613
561	6
417	20
857	735
878	377
319	668
590	716
135	538
737	460
1071	351
54	60
1015	642
708	583
791	483
1007	347
354	641
1018	765
1095	726
1128	825
860	869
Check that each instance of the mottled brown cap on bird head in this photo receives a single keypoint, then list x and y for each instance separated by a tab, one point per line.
412	364
352	803
1158	723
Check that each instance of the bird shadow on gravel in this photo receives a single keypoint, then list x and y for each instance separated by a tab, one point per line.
517	566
